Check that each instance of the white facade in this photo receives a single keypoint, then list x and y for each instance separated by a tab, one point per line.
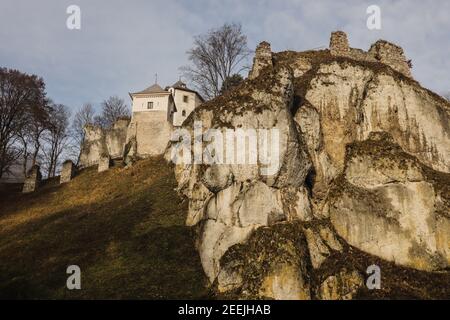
148	132
155	114
178	101
186	102
153	103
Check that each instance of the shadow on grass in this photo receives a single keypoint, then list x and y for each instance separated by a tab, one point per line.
134	246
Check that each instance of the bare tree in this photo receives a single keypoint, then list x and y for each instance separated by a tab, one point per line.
84	116
112	109
57	139
215	56
19	94
31	133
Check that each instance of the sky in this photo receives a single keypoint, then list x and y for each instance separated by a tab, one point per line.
122	44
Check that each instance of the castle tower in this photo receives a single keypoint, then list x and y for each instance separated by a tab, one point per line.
262	59
339	44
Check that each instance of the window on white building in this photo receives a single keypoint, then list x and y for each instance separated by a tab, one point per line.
185	99
183	113
150	105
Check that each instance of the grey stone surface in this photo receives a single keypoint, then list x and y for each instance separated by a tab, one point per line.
104	163
33	180
67	172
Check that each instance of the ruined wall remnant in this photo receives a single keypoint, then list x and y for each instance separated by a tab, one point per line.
381	51
104	163
339	43
116	138
151	132
392	55
100	141
145	134
33	180
262	59
67	172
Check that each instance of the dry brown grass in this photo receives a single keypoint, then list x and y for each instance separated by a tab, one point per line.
124	228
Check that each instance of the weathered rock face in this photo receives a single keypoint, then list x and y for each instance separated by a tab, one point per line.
353	101
342	286
230	200
363	163
103	142
390	205
273	263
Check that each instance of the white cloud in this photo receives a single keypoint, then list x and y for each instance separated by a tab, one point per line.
122	44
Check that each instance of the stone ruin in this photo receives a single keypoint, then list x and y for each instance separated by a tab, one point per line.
262	59
339	43
381	51
104	163
33	179
392	55
99	142
145	134
67	172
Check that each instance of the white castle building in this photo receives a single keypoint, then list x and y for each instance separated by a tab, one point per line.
155	114
178	101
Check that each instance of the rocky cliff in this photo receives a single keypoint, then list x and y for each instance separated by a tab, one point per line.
363	178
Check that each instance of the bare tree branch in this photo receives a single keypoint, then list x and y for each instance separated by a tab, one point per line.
215	56
84	116
112	109
22	102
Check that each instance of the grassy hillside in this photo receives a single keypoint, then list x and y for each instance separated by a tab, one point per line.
124	228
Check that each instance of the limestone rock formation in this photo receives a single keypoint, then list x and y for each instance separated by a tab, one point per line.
99	142
363	173
389	204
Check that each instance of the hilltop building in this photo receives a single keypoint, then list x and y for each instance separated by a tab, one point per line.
156	112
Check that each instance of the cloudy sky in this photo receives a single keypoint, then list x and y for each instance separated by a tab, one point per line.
122	44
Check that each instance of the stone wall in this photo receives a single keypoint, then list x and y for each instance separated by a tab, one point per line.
101	142
67	172
146	134
339	43
33	180
392	55
104	163
381	51
151	132
262	59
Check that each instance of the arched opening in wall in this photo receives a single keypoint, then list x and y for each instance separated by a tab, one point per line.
183	113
